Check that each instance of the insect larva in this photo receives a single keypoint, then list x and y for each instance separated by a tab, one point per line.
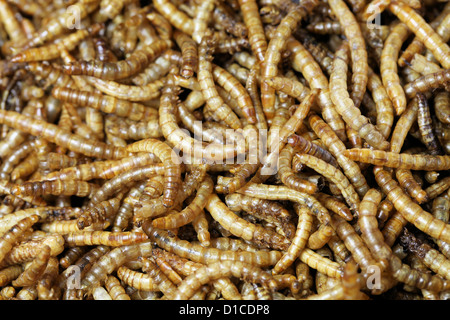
45	285
428	82
189	53
201	226
67	226
206	81
320	263
198	253
399	160
411	211
432	258
320	237
165	285
176	17
437	188
203	15
55	187
334	175
136	279
8	239
425	124
111	260
115	289
345	106
442	106
407	182
9	273
256	35
298	243
273	54
137	61
301	145
336	147
388	67
221	269
132	110
186	215
239	227
168	157
34	270
358	51
71	255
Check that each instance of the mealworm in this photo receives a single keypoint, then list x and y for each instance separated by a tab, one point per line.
252	20
198	253
411	211
10	273
423	31
428	82
186	215
407	182
176	17
239	227
399	160
32	273
358	51
55	187
437	188
299	241
172	172
136	279
345	106
273	54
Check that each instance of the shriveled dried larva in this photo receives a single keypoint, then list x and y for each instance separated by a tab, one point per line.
400	160
428	82
423	31
299	242
273	54
34	270
9	273
345	106
432	258
52	133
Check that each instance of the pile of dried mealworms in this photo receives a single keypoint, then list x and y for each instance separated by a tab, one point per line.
212	149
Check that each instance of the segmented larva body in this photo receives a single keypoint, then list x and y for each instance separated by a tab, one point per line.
345	106
273	54
170	160
256	35
442	106
425	124
189	54
107	238
388	66
111	260
191	211
206	80
411	211
407	181
298	243
428	82
52	133
302	145
241	228
8	239
115	289
198	253
55	187
423	31
176	17
358	51
217	270
32	273
136	62
136	279
132	110
9	273
399	160
304	62
335	175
